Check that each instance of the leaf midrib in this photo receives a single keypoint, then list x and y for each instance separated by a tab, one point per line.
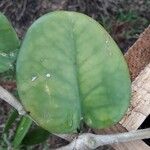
76	67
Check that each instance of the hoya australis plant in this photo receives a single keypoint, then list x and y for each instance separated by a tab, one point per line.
69	71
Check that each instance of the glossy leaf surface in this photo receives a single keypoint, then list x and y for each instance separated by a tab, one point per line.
70	70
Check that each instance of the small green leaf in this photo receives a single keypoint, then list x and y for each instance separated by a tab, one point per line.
36	136
10	121
22	130
9	43
8	37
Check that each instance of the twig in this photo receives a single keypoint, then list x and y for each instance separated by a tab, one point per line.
10	99
91	141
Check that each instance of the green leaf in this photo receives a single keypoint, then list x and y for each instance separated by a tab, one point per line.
70	70
6	61
21	131
8	37
9	43
36	136
12	117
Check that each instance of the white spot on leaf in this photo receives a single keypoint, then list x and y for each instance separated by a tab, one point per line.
3	54
48	75
12	54
34	78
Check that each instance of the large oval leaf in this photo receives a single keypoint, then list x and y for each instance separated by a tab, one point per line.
70	70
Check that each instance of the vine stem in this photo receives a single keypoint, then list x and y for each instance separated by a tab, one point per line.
87	140
10	99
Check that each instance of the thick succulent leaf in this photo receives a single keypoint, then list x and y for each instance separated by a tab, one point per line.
9	43
21	131
12	117
36	136
70	70
8	37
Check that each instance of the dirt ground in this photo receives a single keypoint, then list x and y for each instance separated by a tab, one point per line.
123	19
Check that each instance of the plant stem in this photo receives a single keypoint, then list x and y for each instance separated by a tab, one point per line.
91	141
9	98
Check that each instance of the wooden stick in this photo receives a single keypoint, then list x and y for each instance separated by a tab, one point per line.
138	55
140	104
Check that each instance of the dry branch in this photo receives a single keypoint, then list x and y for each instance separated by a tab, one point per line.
10	99
91	141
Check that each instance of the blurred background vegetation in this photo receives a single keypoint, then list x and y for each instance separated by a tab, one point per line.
123	19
